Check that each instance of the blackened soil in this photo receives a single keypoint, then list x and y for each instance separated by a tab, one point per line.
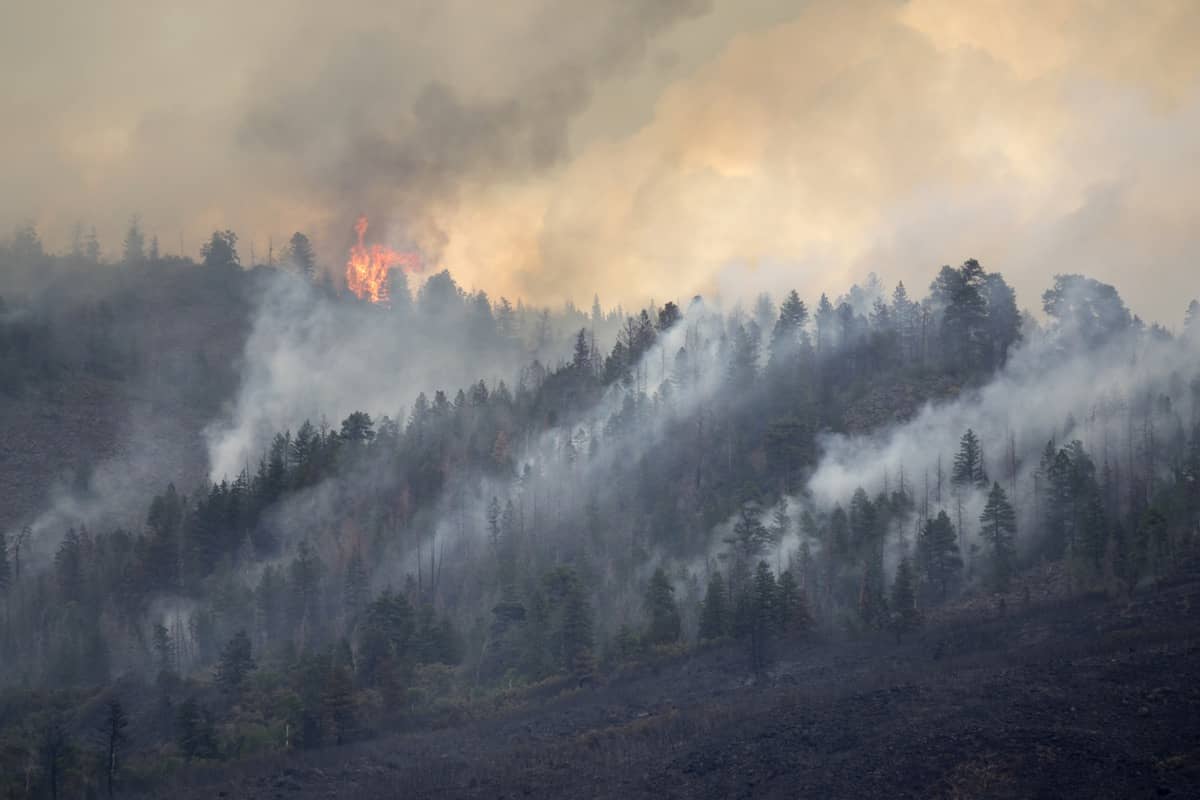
1081	698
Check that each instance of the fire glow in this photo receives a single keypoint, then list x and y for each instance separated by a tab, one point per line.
368	267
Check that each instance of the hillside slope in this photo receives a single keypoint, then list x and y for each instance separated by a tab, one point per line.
1073	697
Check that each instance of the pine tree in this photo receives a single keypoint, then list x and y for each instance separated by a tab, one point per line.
493	523
999	527
338	702
750	539
384	634
905	616
236	662
300	253
195	730
968	463
164	649
1093	529
792	611
665	623
904	316
763	603
577	633
355	587
940	558
872	600
55	751
113	731
714	613
582	359
788	334
304	576
5	568
1128	561
134	245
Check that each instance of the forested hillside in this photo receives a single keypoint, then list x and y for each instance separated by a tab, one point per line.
562	495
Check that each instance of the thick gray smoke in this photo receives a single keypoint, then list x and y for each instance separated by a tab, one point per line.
1054	387
399	112
313	357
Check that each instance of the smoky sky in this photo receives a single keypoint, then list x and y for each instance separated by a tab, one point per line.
551	150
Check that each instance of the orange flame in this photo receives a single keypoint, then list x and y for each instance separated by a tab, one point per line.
367	268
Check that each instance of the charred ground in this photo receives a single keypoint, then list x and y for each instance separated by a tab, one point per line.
1051	696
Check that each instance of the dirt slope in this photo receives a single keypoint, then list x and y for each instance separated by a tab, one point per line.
1086	698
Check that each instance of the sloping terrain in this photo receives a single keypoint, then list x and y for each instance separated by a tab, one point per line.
1065	698
174	337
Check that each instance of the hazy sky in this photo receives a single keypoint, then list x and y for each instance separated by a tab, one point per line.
550	149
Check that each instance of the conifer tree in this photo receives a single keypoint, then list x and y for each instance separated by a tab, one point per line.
355	587
113	731
999	527
872	600
938	549
764	615
134	245
714	613
665	623
5	568
792	611
905	616
968	463
164	649
338	701
195	730
577	633
237	661
300	253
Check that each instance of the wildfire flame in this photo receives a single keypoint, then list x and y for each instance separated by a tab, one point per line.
368	267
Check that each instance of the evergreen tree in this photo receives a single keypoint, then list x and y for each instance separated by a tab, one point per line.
764	615
872	600
904	316
1003	324
750	540
355	587
1128	559
164	649
304	578
941	560
788	334
792	611
220	250
55	751
665	623
905	616
577	633
999	527
582	360
493	523
1191	318
968	463
195	730
714	613
1093	529
5	567
338	701
113	731
134	245
823	320
300	254
384	635
964	313
236	662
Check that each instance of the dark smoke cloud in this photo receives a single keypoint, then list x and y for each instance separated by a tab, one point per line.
398	115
